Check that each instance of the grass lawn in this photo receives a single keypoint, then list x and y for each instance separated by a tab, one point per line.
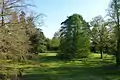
93	68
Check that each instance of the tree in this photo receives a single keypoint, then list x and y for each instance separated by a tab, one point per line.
38	42
115	14
48	42
13	40
8	6
55	42
37	38
16	38
99	34
74	40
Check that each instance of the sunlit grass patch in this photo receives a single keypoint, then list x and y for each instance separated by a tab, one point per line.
48	67
93	69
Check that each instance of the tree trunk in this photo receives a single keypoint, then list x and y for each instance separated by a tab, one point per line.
2	13
101	53
117	59
118	35
118	53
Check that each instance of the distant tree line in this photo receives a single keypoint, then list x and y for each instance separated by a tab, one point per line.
101	35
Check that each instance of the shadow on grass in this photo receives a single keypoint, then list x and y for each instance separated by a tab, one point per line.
48	59
93	69
109	72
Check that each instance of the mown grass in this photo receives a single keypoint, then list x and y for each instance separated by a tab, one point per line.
48	67
93	68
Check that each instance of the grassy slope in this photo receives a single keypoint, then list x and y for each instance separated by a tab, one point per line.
53	69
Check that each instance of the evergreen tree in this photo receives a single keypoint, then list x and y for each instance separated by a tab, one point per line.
74	40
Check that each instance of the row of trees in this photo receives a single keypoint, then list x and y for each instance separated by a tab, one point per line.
102	35
19	34
76	37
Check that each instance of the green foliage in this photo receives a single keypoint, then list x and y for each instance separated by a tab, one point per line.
53	44
83	47
38	42
114	15
48	44
74	39
19	36
99	34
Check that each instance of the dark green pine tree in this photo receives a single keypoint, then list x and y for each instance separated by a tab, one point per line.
74	40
